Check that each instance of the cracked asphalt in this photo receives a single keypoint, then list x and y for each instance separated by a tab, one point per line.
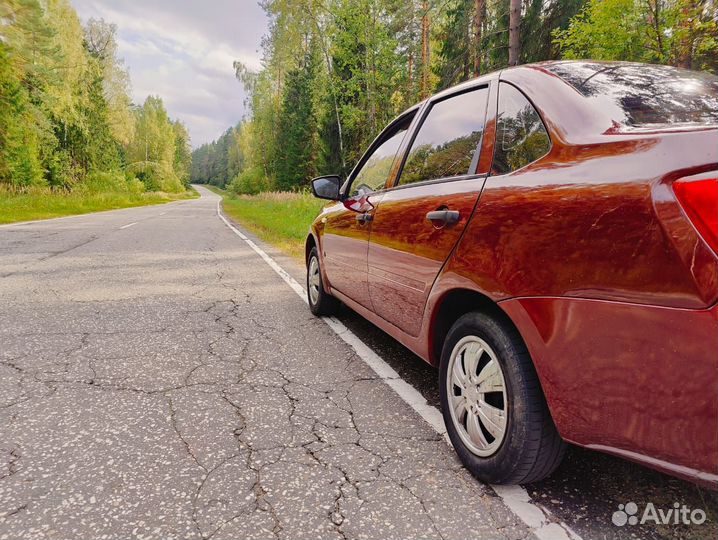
161	381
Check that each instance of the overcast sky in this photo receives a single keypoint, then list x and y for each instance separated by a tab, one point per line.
182	50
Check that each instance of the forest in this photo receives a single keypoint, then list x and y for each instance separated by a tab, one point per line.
335	72
67	122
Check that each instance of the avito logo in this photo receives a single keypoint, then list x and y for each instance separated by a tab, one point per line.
680	514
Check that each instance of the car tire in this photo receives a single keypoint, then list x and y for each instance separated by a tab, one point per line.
320	302
474	394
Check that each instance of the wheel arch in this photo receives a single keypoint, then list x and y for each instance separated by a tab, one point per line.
310	243
453	304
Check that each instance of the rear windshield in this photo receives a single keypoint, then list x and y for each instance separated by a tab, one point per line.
637	95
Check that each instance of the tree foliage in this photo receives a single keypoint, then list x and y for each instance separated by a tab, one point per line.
220	161
676	32
334	72
66	119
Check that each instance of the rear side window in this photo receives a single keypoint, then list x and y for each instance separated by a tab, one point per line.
642	96
447	139
521	137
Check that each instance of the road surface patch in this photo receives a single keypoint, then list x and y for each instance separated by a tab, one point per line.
539	520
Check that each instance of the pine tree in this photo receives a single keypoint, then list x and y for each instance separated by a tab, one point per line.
297	125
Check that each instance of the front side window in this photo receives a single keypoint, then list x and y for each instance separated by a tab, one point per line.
448	138
376	169
521	137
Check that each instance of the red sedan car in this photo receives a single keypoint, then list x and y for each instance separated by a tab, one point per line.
546	236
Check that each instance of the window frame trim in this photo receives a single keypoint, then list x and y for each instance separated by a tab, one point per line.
422	115
491	173
376	143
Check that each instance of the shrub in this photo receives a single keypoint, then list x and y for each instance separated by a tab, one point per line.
97	182
134	185
157	176
250	182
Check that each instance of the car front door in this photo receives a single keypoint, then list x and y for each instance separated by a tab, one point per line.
346	229
421	217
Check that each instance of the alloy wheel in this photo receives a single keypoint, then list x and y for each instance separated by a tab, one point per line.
313	280
477	396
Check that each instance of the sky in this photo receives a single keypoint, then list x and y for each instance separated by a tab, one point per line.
183	50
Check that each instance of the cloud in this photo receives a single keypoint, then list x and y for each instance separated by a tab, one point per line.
183	50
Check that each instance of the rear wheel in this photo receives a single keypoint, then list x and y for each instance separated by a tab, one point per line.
493	406
320	302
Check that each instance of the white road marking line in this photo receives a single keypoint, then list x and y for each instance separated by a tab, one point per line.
538	519
129	225
162	213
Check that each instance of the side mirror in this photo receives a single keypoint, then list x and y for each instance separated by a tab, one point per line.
327	187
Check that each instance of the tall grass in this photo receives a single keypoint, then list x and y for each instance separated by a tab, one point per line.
280	218
31	203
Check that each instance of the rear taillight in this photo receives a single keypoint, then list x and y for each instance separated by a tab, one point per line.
698	196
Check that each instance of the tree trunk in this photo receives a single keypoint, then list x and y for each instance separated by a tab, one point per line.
411	49
425	49
411	71
330	70
479	7
685	46
514	32
655	8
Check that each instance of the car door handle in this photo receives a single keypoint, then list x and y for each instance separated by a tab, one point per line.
365	217
445	216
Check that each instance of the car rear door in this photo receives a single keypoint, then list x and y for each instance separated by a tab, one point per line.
346	226
421	218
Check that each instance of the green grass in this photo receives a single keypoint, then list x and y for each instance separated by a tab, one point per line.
280	218
43	203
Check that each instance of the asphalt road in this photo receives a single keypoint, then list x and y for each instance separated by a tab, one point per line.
158	379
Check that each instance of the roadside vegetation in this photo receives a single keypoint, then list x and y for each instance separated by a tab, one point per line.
335	72
280	218
71	140
44	203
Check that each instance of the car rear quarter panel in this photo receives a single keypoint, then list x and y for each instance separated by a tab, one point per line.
614	292
634	380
